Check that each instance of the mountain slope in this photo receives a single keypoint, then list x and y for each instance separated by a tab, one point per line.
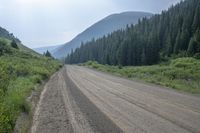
101	28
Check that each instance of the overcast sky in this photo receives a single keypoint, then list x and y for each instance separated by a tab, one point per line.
39	23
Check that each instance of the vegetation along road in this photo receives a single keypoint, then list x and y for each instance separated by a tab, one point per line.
78	99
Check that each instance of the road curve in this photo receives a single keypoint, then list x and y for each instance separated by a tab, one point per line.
78	99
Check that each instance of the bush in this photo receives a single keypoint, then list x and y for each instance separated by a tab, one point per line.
6	123
120	67
197	56
95	66
4	48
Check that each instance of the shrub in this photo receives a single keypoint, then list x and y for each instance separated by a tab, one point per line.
4	47
120	67
6	123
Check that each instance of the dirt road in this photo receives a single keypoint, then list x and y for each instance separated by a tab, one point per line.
81	100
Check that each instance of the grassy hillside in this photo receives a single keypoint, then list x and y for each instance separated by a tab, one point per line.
20	72
22	48
181	73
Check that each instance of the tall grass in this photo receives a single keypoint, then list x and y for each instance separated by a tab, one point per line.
181	74
20	72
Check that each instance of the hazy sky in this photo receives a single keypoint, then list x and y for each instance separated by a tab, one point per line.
40	23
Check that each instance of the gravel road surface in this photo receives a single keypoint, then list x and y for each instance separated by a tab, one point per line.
80	100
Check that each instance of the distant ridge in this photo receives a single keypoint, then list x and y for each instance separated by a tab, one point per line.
51	49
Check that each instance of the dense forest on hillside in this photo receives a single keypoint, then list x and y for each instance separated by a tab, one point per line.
103	27
175	32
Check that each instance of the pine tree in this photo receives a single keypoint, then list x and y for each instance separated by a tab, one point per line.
191	48
48	54
14	44
196	21
184	40
168	46
177	43
143	58
194	45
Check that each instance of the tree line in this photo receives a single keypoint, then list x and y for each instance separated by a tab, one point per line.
173	32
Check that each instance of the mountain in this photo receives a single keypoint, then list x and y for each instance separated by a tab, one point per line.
51	49
173	33
101	28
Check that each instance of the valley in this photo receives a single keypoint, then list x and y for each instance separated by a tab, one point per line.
100	66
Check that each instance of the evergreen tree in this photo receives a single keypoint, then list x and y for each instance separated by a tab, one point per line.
168	47
194	45
48	54
184	40
177	43
143	57
14	44
196	21
191	48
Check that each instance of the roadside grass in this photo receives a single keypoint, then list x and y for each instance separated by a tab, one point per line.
182	74
20	72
